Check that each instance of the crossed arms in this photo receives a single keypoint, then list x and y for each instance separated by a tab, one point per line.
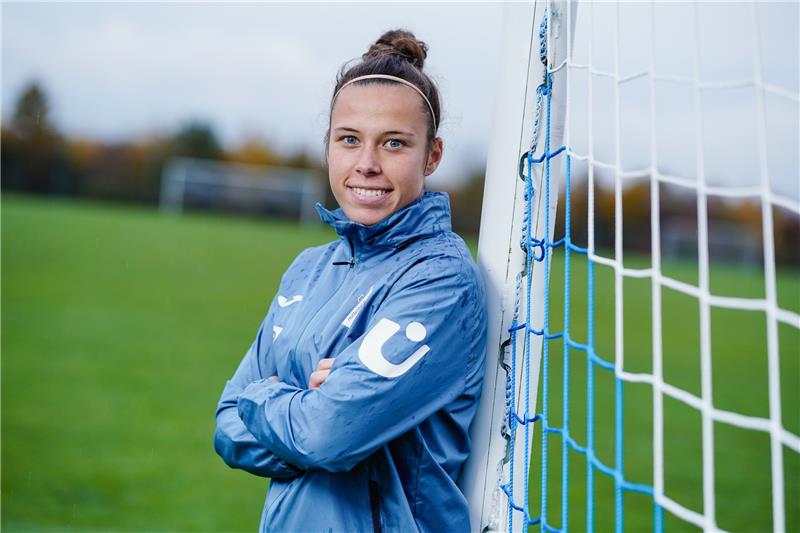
273	429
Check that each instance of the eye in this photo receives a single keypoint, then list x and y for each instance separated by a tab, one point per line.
349	139
394	143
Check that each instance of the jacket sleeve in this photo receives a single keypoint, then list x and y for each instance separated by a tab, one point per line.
422	349
232	441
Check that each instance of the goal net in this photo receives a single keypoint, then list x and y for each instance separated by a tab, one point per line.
189	183
639	242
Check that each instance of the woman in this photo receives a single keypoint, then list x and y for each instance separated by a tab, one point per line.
357	394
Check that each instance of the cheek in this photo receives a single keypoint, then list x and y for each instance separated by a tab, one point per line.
410	164
337	165
417	169
412	178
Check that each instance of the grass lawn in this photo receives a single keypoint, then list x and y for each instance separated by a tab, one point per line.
121	325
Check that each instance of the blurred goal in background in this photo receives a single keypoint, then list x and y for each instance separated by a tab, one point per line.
237	187
639	241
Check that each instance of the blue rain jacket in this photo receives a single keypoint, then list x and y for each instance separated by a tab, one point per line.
380	444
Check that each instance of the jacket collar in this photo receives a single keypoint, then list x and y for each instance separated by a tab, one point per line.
425	217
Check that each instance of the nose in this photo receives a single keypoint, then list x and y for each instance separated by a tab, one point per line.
368	163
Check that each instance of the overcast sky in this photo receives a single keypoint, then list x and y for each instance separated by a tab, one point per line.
114	71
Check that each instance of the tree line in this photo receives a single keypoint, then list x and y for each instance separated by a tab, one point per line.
36	158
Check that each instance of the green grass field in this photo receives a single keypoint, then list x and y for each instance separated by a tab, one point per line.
121	325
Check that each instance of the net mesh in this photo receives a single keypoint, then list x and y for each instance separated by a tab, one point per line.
561	486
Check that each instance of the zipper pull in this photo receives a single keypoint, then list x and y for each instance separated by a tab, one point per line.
352	253
351	263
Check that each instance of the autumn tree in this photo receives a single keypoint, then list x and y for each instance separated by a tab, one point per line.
32	150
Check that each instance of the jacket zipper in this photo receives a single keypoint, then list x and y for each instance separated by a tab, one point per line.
352	263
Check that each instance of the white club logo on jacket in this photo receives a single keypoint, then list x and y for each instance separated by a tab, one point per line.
371	350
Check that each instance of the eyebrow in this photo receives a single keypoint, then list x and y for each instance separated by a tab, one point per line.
392	132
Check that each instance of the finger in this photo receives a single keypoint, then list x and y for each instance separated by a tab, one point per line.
317	378
325	364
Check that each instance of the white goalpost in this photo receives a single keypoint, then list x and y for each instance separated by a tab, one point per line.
591	416
502	261
190	182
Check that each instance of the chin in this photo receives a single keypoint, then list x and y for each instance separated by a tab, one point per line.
373	219
366	216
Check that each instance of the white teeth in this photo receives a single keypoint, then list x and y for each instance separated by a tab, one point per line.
369	192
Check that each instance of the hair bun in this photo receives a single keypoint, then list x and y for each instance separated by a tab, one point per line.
401	43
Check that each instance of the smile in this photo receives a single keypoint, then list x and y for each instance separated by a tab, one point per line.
368	193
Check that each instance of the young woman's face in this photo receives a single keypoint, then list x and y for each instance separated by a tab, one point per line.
378	154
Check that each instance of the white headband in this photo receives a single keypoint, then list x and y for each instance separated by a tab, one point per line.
393	78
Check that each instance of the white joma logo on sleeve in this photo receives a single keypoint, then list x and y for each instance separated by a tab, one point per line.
371	350
284	302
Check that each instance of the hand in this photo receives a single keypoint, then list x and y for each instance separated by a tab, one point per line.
319	375
274	378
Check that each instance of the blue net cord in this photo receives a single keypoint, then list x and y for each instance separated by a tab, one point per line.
591	357
537	250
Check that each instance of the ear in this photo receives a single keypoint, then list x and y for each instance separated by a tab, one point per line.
434	156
